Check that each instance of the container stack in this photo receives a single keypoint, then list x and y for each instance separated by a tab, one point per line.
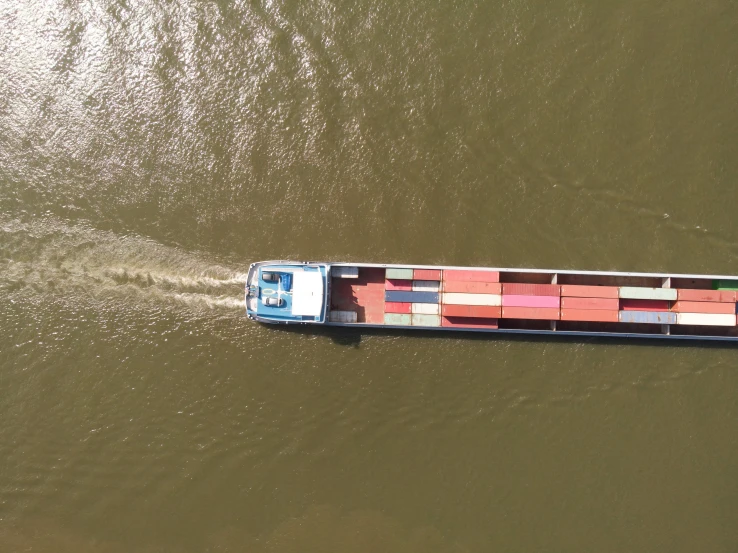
471	299
596	304
531	301
412	297
705	307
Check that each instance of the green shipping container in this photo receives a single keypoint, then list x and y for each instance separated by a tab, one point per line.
638	293
399	274
420	319
397	319
725	284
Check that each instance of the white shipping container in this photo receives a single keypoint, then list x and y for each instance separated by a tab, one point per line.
708	319
492	300
342	316
426	285
638	293
426	308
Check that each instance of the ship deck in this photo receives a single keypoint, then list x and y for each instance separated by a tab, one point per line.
364	295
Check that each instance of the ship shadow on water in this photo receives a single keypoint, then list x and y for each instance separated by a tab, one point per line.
351	337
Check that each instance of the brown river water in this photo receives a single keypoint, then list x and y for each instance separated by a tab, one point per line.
150	150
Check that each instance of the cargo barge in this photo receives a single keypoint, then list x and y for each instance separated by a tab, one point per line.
478	299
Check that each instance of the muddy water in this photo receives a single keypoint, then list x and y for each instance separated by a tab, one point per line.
149	151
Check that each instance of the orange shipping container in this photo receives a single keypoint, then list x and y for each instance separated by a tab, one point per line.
472	287
426	274
706	295
590	315
479	311
468	322
547	313
589	291
703	307
590	303
465	275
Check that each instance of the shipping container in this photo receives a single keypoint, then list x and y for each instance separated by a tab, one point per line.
426	274
724	284
509	300
411	297
425	320
476	311
647	317
425	308
687	294
472	287
531	289
464	275
397	319
644	305
705	319
703	307
426	285
454	298
546	313
468	322
590	315
398	307
336	316
396	284
637	293
400	274
591	303
579	291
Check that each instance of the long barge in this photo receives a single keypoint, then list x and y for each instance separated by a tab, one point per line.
481	299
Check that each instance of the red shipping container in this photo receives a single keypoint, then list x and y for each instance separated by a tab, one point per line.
590	303
426	274
480	311
472	287
703	307
548	313
396	284
511	300
463	275
706	295
468	322
589	291
590	315
531	289
644	305
397	307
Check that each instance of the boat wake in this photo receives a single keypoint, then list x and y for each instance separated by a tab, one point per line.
49	256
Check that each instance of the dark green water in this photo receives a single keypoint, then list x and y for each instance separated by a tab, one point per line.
149	151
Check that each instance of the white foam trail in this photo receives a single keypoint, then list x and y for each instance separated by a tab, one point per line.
49	255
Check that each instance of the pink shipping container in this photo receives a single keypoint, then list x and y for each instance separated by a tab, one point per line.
644	305
726	296
589	291
462	275
546	313
472	287
469	322
426	274
395	284
397	307
591	303
531	289
590	315
703	307
510	300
